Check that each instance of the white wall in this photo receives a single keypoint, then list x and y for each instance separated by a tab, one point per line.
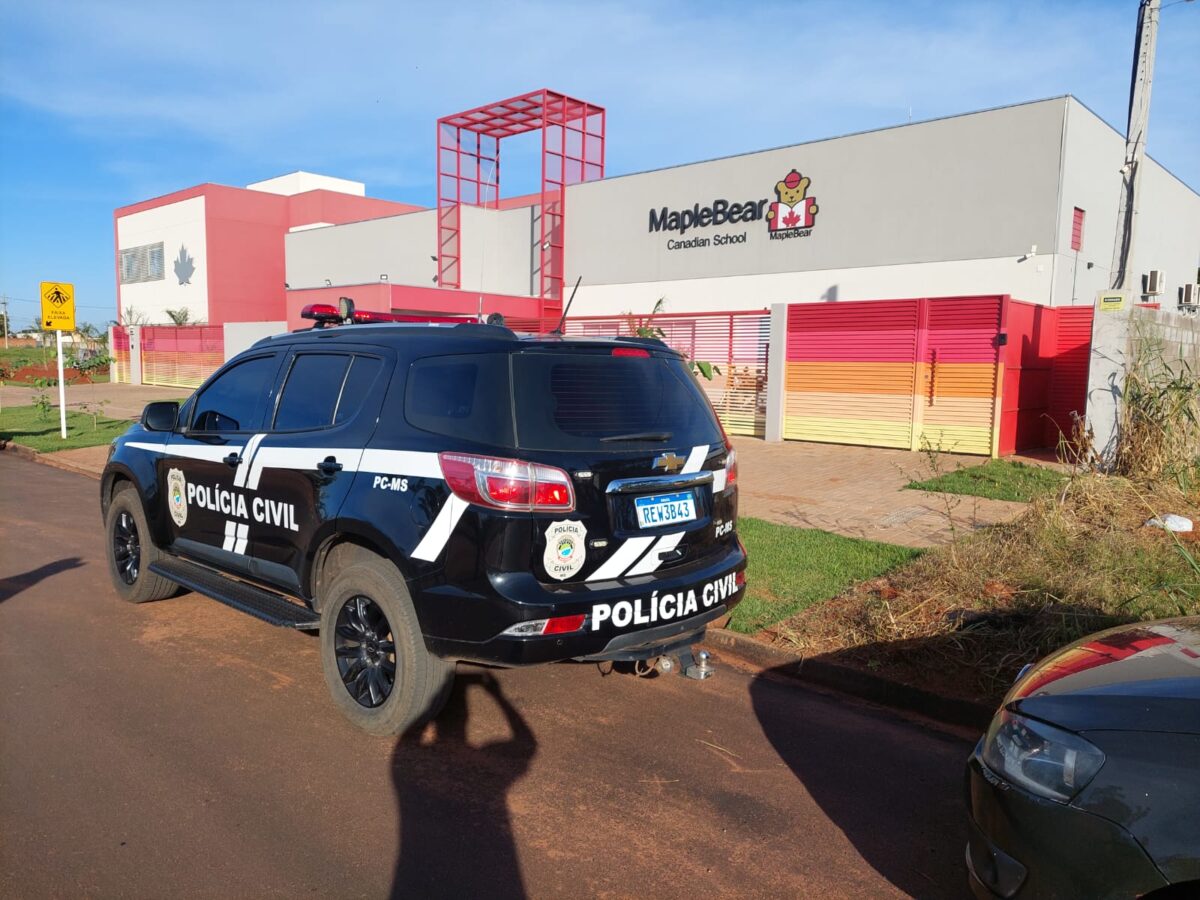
969	187
177	225
1167	229
1029	280
496	251
241	336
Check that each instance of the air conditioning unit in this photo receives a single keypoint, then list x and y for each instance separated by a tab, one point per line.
1189	295
1154	282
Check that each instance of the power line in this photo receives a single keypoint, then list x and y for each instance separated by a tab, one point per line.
77	305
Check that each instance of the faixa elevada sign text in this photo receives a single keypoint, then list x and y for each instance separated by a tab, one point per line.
791	215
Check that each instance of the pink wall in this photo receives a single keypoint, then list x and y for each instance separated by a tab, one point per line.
244	230
384	297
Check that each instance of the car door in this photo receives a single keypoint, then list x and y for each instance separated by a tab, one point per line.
202	473
305	462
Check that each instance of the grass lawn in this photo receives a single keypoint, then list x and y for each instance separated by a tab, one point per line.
792	568
997	479
24	425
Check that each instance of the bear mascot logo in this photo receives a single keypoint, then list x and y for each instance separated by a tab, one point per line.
794	209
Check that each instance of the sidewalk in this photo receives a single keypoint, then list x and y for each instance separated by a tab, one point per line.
857	492
121	401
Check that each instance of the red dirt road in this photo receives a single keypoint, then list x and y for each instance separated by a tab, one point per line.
181	748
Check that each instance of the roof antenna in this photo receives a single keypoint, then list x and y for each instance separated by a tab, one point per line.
567	308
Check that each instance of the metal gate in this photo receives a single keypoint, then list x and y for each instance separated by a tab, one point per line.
181	355
895	373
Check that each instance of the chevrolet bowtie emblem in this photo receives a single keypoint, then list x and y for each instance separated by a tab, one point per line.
668	461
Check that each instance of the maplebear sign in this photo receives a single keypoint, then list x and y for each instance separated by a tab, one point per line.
792	214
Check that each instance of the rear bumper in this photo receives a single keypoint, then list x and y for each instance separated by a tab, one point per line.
630	619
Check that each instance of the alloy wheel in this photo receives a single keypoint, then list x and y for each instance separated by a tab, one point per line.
365	651
127	548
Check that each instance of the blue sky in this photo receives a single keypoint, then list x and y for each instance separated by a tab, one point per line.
104	104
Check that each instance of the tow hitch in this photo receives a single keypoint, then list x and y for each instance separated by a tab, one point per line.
687	665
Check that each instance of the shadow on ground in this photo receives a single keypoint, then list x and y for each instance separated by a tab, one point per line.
456	836
892	798
14	584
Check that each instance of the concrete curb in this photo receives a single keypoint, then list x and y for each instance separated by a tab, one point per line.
856	683
47	459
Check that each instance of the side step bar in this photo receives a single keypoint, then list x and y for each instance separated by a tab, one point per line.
241	596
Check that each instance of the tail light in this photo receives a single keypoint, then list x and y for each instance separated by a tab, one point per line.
559	625
730	467
631	351
510	484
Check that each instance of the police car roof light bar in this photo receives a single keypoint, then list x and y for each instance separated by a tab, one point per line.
328	314
321	313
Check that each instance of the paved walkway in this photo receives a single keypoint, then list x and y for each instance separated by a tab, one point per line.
121	401
857	491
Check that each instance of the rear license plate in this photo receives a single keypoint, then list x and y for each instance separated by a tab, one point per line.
665	509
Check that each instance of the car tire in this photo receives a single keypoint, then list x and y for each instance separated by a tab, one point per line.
368	622
131	551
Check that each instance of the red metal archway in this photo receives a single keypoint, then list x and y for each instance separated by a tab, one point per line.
468	154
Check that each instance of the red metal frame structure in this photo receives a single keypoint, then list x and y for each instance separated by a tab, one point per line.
468	154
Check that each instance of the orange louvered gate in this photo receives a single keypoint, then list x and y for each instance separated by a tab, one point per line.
895	373
734	342
181	355
119	368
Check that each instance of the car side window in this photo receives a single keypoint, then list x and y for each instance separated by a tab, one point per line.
311	391
234	401
359	381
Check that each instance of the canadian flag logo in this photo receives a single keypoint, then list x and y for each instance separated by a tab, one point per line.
794	209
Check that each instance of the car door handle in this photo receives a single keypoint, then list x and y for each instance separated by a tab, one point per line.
233	460
329	466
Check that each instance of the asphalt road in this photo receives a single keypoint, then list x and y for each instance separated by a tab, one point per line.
183	749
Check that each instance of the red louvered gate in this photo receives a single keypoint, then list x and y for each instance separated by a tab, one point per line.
1045	374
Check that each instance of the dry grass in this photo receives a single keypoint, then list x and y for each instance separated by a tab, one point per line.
963	620
1160	413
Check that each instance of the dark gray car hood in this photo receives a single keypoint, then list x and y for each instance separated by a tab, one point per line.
1143	677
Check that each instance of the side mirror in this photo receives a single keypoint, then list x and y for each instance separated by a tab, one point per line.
160	416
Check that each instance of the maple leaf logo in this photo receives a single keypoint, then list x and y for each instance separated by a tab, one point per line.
185	266
791	220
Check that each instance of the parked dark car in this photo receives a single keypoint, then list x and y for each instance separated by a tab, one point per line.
424	494
1087	783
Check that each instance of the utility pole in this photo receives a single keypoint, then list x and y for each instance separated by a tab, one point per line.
4	303
1135	140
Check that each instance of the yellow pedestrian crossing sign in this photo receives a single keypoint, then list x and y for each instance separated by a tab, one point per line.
58	306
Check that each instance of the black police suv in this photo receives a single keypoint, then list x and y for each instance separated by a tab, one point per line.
424	494
1087	783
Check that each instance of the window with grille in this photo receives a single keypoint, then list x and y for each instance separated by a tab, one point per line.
1077	230
144	263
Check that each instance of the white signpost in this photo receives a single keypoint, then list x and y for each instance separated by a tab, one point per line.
58	315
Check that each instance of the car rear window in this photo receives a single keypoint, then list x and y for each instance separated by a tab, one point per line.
463	396
584	400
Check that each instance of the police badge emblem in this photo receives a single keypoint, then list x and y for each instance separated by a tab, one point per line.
566	549
177	496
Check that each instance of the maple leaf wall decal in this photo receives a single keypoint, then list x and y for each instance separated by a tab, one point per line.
185	266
